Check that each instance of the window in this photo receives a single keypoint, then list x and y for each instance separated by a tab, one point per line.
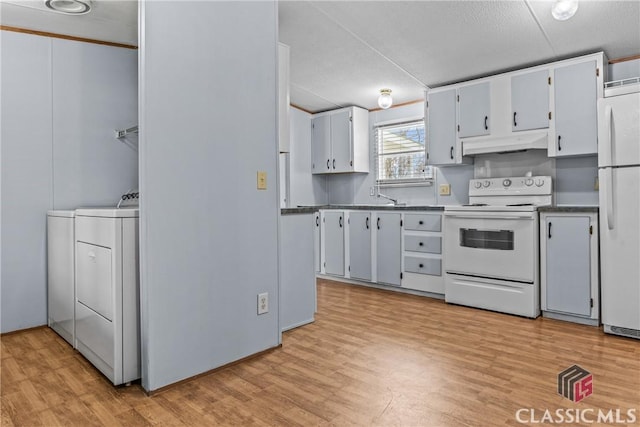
401	154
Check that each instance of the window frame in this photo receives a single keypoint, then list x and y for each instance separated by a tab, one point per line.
426	179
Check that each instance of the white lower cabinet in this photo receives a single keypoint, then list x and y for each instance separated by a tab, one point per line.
569	266
422	252
402	249
332	242
360	264
388	247
317	225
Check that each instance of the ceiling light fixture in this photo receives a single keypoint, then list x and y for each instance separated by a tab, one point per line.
564	9
69	7
384	100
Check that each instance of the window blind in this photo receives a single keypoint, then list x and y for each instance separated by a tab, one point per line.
401	153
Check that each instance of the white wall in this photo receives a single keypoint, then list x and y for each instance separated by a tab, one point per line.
61	101
27	187
95	91
209	238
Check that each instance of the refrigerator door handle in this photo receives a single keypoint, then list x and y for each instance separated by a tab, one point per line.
609	197
608	113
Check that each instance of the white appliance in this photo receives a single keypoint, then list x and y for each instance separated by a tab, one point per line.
491	252
619	178
107	289
60	273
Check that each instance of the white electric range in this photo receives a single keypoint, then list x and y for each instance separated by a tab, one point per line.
491	257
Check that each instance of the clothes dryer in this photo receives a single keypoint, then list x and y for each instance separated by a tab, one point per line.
107	304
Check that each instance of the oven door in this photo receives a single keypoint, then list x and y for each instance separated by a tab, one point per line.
499	245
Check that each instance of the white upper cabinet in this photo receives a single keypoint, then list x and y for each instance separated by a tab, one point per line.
321	144
443	148
530	100
340	141
342	159
576	89
474	110
549	107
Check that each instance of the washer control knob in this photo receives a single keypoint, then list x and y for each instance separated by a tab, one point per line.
478	184
528	182
486	183
506	182
539	182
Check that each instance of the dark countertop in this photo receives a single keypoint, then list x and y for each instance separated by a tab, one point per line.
568	209
300	210
312	209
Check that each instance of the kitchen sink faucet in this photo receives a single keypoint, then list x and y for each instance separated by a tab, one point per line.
384	196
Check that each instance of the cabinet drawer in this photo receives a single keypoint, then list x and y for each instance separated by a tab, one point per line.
423	265
428	244
422	222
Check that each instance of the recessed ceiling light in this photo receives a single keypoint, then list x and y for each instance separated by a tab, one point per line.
70	7
564	9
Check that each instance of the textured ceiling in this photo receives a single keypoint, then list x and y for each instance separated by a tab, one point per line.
109	20
344	52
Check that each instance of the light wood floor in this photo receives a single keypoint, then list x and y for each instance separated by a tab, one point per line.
371	358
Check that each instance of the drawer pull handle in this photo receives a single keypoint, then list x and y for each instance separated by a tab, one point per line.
367	222
420	265
420	222
420	244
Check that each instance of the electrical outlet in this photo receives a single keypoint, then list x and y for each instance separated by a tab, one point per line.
444	189
372	191
596	184
263	303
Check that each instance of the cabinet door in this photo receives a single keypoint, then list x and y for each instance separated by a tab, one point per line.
575	110
342	160
441	127
360	245
530	101
316	242
321	144
474	108
568	272
388	248
334	243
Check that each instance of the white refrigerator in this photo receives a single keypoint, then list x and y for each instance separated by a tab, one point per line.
619	178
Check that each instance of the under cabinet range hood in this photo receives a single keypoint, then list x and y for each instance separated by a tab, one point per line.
506	144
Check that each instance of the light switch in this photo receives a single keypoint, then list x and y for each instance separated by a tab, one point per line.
445	189
262	180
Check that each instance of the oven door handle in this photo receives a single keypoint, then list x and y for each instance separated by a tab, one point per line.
490	216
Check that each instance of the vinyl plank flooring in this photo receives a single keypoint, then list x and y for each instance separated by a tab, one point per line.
372	357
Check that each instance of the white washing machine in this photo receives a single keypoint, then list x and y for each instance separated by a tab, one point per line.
107	325
61	273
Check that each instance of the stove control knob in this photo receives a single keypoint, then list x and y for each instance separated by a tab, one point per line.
528	182
539	182
506	182
478	184
486	183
